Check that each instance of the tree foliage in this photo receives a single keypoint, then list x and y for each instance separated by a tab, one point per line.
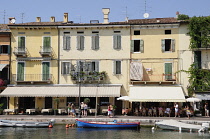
183	17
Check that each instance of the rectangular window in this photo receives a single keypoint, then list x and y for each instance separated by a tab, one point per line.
46	44
66	42
4	49
168	45
80	32
46	32
65	68
117	67
92	66
168	71
136	32
95	42
80	42
117	31
21	32
45	71
21	43
20	71
117	41
137	46
167	31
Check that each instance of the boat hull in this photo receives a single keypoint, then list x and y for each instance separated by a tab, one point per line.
8	123
106	124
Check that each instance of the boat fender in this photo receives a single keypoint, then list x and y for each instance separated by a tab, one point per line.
67	125
50	125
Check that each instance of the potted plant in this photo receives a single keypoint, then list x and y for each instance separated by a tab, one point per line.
114	108
56	101
86	100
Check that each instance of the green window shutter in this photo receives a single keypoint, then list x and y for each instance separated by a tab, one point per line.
66	42
20	71
21	42
132	45
46	44
115	42
9	48
142	46
118	42
163	45
93	42
114	67
173	45
168	71
62	67
82	42
97	66
45	70
96	42
78	42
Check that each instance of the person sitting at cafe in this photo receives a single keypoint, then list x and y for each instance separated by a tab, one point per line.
168	112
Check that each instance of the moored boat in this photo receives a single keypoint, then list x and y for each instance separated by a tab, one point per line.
180	126
9	123
114	124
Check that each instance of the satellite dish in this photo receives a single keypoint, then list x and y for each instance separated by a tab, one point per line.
146	15
12	21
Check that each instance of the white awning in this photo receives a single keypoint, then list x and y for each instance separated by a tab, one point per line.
2	66
203	96
107	91
156	94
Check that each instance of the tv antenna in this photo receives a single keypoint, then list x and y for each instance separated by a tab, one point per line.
146	15
22	16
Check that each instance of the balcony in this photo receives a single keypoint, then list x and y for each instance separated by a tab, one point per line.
45	51
32	78
88	77
20	51
157	79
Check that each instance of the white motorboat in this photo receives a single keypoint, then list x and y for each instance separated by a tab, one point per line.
9	123
181	126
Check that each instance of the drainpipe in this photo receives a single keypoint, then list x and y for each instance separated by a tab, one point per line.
58	55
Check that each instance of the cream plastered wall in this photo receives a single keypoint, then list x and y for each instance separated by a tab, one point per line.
105	55
34	41
153	57
185	56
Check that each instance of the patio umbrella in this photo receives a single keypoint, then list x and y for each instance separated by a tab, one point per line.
126	98
192	99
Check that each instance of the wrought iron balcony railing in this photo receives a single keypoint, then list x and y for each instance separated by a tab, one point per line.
32	78
45	51
19	51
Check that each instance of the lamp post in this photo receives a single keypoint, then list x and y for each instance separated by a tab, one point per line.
77	74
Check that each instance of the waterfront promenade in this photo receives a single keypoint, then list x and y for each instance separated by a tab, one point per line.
64	119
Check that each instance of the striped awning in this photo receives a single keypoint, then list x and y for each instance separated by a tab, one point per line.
107	91
156	94
2	66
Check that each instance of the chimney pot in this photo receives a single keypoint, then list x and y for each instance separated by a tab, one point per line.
11	20
65	17
106	12
38	19
52	19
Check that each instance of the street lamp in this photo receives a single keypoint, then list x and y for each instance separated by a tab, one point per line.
76	72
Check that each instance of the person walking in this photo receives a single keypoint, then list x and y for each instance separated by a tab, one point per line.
69	109
176	106
73	114
82	108
110	111
206	107
85	109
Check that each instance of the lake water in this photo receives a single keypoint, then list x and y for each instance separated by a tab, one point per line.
60	132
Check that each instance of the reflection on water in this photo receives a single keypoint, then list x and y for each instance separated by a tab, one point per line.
60	132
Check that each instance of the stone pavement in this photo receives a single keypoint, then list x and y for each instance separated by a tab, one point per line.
64	119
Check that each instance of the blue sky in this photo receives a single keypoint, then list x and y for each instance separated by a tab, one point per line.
86	10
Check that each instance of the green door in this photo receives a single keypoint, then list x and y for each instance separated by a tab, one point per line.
47	44
20	71
45	71
168	71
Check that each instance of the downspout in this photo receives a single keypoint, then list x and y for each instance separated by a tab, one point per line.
58	55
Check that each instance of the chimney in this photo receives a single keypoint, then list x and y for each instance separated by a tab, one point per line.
11	20
52	19
38	19
106	12
65	17
177	14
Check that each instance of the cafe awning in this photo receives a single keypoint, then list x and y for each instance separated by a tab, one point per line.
2	66
156	94
73	91
203	96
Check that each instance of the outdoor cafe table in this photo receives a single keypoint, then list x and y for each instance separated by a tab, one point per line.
29	111
46	110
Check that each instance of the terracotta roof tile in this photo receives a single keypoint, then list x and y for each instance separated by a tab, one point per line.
4	28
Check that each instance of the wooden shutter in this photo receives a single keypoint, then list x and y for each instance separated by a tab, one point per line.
82	42
173	45
168	71
9	48
78	43
118	67
97	66
115	41
96	42
93	43
118	42
142	46
132	45
163	45
62	67
66	42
